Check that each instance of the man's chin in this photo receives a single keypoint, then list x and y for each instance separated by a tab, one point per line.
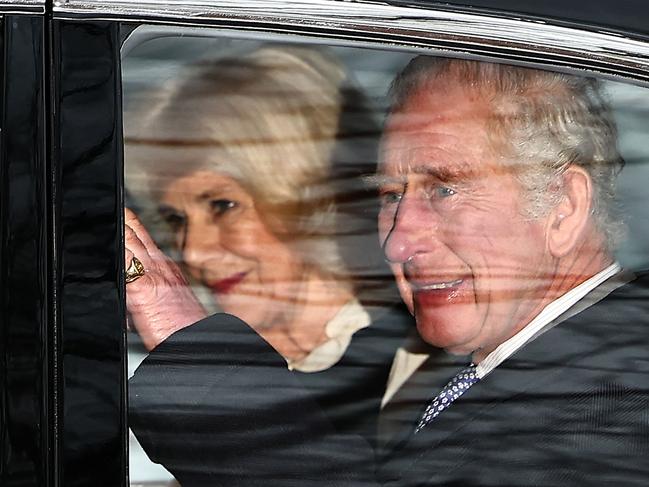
451	343
460	350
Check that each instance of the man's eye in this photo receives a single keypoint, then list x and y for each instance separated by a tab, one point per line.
221	206
442	192
390	198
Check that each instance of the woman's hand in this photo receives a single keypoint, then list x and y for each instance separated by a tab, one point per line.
161	301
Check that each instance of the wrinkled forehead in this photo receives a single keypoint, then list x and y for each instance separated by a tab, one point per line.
403	155
430	170
451	119
447	155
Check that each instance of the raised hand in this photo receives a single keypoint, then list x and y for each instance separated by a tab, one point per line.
160	301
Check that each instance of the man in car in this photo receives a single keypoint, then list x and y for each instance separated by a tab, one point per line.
497	188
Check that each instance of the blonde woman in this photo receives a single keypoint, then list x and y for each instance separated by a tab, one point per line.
254	164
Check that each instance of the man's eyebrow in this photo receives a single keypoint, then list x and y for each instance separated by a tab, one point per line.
379	180
463	173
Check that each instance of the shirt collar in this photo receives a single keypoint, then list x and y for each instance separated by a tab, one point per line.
545	317
339	330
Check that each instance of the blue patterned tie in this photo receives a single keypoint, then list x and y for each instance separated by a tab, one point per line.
457	386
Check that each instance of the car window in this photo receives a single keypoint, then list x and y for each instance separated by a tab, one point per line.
373	219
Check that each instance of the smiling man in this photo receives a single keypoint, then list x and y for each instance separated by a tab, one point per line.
471	260
497	185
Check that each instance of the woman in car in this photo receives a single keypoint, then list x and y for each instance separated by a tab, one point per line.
255	164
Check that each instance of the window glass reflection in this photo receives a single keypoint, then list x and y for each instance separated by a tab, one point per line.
349	280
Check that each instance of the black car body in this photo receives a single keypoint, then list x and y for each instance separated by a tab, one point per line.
63	398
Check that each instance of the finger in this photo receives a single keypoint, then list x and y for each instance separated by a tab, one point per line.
131	220
134	246
128	257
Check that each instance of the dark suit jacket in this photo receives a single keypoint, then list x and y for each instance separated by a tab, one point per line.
216	405
571	408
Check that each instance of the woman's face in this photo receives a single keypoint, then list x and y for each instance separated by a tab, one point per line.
226	245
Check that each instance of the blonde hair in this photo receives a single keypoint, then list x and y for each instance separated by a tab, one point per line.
277	121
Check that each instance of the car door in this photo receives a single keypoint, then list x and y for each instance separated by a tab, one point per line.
24	333
73	73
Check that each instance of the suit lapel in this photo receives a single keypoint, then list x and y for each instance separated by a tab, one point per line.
537	366
542	376
456	422
399	416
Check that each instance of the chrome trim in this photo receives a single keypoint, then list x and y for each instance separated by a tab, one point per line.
22	6
399	26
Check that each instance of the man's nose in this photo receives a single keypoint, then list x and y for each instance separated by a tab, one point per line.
413	228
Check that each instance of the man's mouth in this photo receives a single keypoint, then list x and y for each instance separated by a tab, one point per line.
226	285
435	286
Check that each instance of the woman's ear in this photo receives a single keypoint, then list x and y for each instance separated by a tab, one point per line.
569	219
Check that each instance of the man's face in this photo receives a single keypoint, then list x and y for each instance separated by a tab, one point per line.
469	264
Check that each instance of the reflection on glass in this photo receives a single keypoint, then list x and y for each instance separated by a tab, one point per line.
499	217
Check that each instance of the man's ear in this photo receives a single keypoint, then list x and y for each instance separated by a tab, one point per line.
568	220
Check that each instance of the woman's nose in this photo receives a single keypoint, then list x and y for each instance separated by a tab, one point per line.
198	245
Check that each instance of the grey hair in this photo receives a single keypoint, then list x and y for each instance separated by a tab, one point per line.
543	121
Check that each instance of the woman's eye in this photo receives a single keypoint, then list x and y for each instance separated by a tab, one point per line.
175	220
171	217
221	206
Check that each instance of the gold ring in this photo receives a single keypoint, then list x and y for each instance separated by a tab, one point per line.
134	271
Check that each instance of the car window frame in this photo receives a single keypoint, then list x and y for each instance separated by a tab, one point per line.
60	172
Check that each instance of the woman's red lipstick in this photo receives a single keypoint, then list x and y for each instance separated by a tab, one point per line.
224	286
